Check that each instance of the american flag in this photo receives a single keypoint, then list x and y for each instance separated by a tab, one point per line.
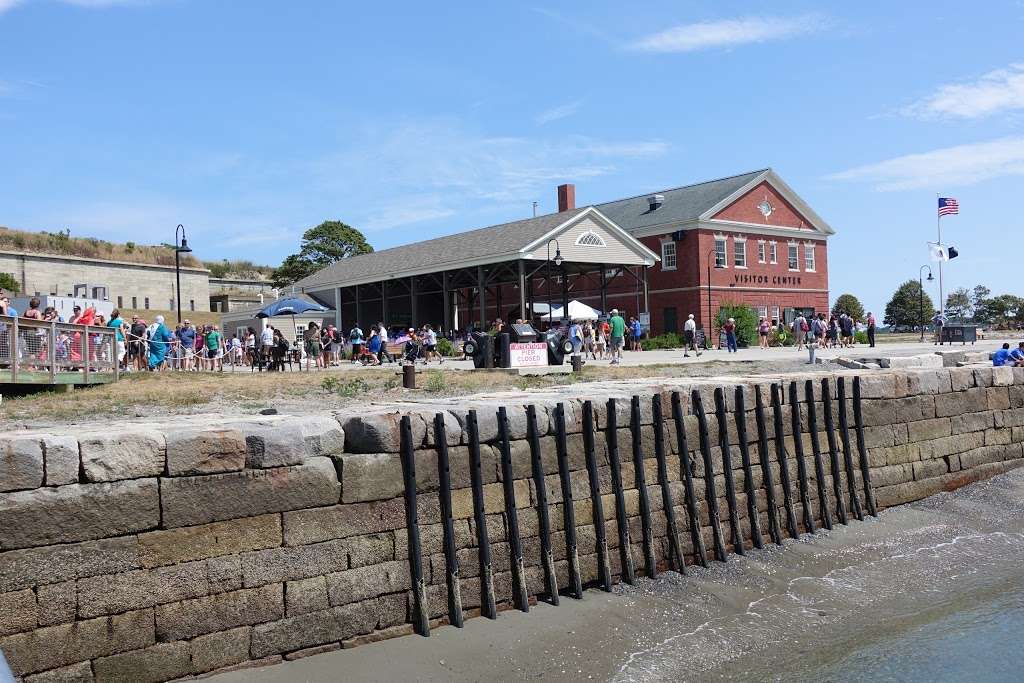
948	206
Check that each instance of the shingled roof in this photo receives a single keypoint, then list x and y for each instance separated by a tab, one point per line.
682	204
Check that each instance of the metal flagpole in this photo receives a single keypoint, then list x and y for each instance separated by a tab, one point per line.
938	225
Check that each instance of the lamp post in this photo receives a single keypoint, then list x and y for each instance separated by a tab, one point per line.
711	325
558	262
180	247
920	294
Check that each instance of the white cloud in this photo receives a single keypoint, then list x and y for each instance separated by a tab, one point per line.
727	33
6	5
555	113
996	91
943	168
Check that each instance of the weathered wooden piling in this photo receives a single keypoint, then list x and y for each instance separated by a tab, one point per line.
611	434
844	433
568	511
604	571
833	452
420	607
819	469
488	606
444	494
520	596
686	469
711	492
801	464
640	479
722	418
780	454
865	465
547	558
740	413
774	528
675	548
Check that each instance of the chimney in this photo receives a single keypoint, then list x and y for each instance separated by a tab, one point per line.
566	197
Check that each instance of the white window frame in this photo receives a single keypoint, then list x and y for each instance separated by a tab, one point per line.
762	251
793	255
721	256
590	243
810	258
776	313
773	252
739	252
669	255
762	311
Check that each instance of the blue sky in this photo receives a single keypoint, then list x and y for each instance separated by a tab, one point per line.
250	122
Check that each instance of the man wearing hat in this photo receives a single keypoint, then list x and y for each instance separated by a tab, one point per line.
76	313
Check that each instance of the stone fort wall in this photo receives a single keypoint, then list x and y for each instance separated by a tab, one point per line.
156	552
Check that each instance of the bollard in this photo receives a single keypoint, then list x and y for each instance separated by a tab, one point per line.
640	480
687	471
568	512
801	464
844	433
409	376
444	494
547	558
675	549
780	453
766	471
520	597
810	354
833	452
819	470
488	608
865	466
730	485
604	571
611	434
577	363
711	493
748	472
420	608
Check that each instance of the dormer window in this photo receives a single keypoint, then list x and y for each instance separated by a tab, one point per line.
590	239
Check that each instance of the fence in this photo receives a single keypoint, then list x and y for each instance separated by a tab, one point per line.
42	352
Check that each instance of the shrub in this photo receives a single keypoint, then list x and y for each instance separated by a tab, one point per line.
436	382
746	322
445	347
860	336
784	338
669	340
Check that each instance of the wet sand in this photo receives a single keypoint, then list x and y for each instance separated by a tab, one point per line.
931	590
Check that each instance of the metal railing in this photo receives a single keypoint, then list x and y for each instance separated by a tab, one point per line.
42	352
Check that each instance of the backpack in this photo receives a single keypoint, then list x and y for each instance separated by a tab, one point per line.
805	327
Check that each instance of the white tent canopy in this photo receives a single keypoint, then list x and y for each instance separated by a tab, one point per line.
577	311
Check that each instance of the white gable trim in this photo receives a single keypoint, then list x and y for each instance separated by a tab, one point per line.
634	245
773	179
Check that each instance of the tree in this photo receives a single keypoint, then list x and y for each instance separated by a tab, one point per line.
958	304
9	283
909	306
1003	310
321	246
979	299
746	322
850	305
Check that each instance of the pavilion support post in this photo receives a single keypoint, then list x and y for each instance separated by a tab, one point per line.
337	307
446	303
604	291
482	287
647	308
412	303
565	291
384	303
359	308
522	290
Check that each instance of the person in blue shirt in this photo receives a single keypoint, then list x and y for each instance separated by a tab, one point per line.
1017	356
636	331
1002	357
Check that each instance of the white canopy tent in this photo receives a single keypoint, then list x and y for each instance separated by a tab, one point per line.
577	311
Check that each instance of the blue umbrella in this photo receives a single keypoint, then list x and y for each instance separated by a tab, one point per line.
289	306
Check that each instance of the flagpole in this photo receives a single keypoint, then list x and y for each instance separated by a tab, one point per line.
938	225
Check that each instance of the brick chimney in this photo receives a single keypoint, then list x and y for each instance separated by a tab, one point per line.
566	197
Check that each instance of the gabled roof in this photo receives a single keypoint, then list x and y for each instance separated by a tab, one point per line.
494	244
682	204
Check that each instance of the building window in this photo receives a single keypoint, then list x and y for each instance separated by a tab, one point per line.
739	252
119	302
191	304
135	303
773	252
775	313
762	311
762	249
809	257
147	303
720	252
794	256
668	255
590	239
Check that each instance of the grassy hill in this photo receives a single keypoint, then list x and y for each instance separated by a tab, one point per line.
61	243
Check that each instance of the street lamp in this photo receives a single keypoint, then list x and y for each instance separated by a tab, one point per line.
558	263
920	294
711	326
180	247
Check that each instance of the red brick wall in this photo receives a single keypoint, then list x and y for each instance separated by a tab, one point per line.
745	210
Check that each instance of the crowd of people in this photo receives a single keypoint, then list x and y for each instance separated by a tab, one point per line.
604	339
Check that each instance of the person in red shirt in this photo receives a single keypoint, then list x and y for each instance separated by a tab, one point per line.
730	335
